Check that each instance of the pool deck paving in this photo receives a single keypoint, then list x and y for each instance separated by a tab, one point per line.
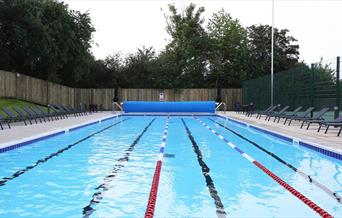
329	140
21	133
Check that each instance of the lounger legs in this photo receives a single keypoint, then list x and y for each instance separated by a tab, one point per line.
308	126
326	130
339	132
1	126
319	128
302	124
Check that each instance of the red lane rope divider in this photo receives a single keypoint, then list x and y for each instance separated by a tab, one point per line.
331	193
281	182
296	193
154	190
155	182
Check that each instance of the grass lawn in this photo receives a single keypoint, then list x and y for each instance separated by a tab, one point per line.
10	103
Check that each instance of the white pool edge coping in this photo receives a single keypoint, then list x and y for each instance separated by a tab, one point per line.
31	139
53	132
294	139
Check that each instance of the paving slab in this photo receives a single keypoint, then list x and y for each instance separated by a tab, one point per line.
19	132
330	140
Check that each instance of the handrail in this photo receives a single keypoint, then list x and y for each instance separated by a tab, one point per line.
219	105
118	105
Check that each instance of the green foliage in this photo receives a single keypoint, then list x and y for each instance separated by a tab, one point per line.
189	45
44	39
228	52
259	40
325	74
47	40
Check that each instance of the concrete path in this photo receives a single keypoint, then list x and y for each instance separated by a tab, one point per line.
19	132
330	140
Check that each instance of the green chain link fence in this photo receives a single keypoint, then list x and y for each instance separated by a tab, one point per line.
317	86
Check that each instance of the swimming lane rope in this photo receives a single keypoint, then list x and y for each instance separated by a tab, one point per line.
155	182
20	172
220	212
301	173
281	182
98	196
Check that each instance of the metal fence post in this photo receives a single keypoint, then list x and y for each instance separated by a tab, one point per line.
337	107
312	81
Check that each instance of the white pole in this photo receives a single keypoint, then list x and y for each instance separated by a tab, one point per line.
272	52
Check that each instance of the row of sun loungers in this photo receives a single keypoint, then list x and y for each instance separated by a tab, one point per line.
296	115
30	114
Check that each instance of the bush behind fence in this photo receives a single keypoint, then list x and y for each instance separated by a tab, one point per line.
317	86
24	87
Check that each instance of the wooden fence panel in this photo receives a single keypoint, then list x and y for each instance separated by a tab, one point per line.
83	96
31	89
229	96
169	95
43	92
7	84
139	94
103	97
59	94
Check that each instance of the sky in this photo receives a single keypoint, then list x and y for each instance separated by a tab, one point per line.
124	26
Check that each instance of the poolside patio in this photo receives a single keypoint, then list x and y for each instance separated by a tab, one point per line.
19	132
329	140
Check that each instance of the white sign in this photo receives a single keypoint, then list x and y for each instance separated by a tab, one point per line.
161	96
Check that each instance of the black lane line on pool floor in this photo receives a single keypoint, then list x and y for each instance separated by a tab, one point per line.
311	180
98	196
4	180
205	170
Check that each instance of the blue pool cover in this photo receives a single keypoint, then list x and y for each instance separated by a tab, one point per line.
169	106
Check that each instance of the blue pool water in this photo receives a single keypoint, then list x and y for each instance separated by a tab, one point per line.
59	176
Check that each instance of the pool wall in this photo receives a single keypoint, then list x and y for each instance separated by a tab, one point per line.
312	146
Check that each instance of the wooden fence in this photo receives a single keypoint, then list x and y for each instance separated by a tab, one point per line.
24	87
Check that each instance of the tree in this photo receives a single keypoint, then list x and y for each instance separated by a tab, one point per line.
44	39
228	52
164	74
137	69
114	64
324	75
286	53
189	45
47	40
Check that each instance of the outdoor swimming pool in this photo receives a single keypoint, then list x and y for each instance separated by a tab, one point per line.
211	167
